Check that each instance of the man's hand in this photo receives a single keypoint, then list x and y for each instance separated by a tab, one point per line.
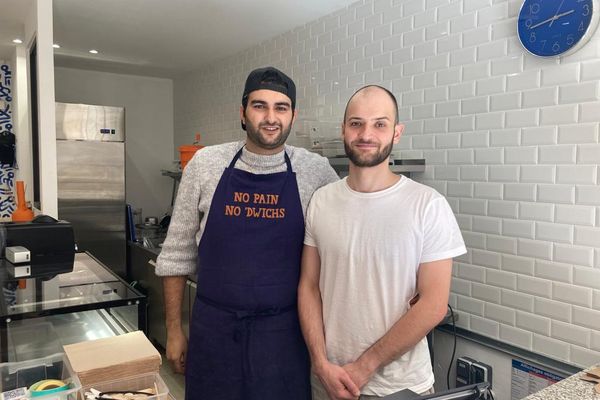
358	373
337	382
177	349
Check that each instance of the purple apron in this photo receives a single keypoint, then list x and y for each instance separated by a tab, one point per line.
245	338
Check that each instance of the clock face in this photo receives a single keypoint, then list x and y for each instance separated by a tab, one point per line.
556	27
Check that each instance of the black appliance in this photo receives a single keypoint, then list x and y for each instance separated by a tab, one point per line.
51	244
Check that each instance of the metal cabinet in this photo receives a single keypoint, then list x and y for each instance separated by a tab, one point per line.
142	264
188	305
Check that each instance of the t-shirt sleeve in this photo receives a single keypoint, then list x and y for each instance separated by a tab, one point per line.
441	235
309	238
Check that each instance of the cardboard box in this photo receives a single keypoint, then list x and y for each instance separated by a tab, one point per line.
117	357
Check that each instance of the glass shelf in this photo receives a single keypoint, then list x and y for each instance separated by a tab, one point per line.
49	298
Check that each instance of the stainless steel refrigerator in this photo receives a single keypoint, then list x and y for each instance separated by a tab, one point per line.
90	151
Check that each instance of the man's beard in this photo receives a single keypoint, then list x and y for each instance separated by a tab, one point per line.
368	160
255	136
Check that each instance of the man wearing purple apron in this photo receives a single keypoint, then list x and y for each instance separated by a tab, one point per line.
239	224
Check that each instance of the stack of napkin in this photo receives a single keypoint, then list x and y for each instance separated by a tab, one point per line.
117	357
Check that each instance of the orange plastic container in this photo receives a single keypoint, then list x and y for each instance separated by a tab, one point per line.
186	152
22	213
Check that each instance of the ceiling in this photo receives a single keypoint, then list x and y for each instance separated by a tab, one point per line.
167	38
12	18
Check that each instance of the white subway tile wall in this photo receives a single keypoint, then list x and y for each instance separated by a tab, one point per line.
510	139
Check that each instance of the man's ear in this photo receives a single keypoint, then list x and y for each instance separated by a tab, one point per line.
242	117
398	129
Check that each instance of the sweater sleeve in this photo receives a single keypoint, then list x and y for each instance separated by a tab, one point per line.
329	174
179	252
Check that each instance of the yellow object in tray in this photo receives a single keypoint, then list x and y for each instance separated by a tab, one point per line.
47	386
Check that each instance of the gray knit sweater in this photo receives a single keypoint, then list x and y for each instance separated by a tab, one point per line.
199	182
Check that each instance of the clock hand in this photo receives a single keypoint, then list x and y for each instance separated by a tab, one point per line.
551	19
555	14
542	23
563	14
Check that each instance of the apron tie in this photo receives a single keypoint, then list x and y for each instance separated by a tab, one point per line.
245	331
245	327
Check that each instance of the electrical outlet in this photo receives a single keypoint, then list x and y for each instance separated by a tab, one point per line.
463	371
481	372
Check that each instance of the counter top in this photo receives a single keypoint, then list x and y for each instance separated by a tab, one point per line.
571	388
152	253
153	250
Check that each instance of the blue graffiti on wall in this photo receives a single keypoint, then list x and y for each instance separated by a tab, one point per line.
5	82
5	119
7	171
5	99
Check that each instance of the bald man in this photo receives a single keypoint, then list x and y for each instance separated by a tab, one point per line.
374	241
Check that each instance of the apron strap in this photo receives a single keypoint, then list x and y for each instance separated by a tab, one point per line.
247	314
288	162
235	158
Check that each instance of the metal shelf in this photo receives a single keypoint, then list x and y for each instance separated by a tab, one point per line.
397	166
171	174
176	176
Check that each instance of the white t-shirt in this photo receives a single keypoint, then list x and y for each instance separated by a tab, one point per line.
371	245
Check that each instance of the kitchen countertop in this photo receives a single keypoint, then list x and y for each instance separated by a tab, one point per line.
571	388
149	239
155	250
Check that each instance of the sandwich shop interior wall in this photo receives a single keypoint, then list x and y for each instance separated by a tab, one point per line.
511	140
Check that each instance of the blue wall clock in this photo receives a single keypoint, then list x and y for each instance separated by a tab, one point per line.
549	28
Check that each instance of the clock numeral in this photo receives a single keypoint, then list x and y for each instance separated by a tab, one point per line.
570	39
532	37
586	10
555	47
581	27
528	23
534	8
543	42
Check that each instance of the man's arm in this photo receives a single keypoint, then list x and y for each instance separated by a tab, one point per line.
310	307
173	288
433	285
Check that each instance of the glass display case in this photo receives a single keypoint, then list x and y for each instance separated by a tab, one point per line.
42	312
